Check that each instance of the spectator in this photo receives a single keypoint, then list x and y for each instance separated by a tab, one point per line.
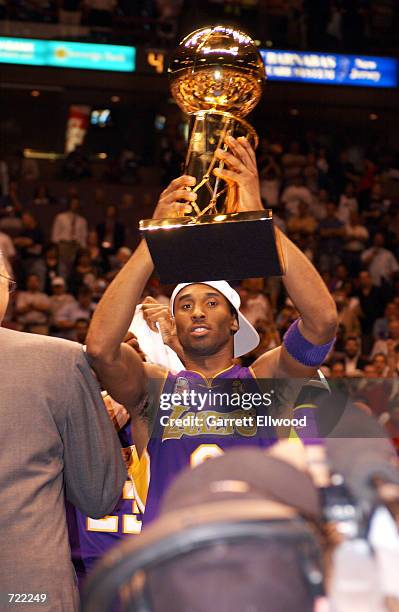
354	362
58	300
348	204
270	181
83	272
346	315
365	183
383	345
97	257
332	232
294	194
311	173
340	277
12	200
69	231
29	169
384	226
80	330
337	370
67	315
380	328
255	304
269	339
118	261
356	236
293	162
369	370
285	317
30	241
319	204
154	290
380	362
111	233
48	267
303	224
372	304
323	168
32	307
375	205
343	173
380	262
42	196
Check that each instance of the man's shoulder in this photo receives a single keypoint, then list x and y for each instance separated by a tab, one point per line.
16	340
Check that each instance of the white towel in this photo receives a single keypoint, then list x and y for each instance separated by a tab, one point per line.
152	345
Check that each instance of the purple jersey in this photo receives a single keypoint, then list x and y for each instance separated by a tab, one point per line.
92	538
211	417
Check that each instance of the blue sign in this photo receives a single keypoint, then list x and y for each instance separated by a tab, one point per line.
330	69
62	54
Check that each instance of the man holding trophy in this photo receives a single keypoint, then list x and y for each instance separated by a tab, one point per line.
206	322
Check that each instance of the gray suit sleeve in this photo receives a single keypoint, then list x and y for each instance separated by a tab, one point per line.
93	466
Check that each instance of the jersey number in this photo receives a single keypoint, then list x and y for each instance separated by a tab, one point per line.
204	452
110	524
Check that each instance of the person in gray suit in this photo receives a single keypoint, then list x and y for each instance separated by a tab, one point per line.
56	441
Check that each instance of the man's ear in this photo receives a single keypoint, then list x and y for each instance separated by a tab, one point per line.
234	325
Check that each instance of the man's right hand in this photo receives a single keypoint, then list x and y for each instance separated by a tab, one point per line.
175	200
153	313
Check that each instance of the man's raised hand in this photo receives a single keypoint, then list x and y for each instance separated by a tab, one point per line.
241	172
175	200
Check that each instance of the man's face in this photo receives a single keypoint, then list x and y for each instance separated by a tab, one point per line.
351	348
58	289
203	319
74	205
32	283
379	363
338	370
365	280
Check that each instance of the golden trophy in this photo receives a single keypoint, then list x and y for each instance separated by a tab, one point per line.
216	77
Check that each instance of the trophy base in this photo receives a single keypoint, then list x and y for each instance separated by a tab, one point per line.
214	247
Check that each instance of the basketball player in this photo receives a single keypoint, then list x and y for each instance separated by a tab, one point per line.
212	333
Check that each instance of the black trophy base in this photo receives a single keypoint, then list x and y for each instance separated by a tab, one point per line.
217	247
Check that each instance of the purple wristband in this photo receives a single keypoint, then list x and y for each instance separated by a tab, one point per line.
304	351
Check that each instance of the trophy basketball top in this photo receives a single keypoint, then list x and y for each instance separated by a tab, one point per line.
217	68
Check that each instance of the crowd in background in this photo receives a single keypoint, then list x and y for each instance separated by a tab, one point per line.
339	204
325	24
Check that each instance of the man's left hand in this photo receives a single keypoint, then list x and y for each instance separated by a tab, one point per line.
241	172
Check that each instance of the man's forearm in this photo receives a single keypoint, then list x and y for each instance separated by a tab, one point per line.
115	311
309	294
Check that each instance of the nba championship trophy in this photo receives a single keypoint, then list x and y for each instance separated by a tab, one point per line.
217	77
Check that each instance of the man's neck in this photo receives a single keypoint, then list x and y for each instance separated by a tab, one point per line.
209	365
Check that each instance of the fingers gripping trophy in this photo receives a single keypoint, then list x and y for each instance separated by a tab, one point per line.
217	78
